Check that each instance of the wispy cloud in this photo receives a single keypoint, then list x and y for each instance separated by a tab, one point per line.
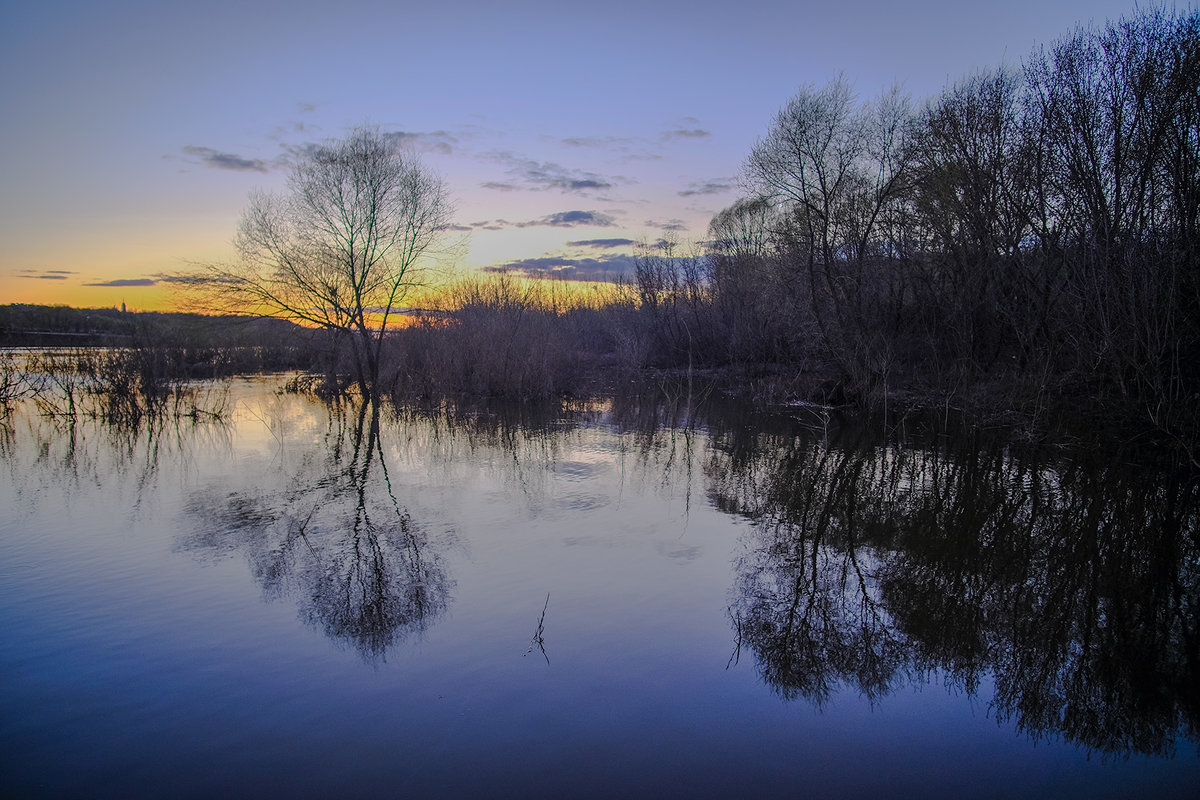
194	279
426	142
125	282
561	219
46	274
714	186
570	219
602	244
491	225
215	158
603	142
628	149
676	225
607	268
528	173
686	133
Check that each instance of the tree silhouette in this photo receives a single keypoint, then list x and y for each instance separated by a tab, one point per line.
341	249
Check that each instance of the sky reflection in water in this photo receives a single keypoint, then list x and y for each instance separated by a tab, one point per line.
622	596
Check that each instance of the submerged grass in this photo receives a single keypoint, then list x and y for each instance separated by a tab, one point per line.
116	385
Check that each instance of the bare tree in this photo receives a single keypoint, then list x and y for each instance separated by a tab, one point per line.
1115	112
972	200
342	247
837	169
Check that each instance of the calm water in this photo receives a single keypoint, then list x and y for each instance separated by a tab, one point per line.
613	600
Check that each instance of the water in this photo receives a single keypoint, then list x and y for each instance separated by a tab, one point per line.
615	599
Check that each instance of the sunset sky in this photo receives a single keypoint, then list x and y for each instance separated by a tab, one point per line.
132	132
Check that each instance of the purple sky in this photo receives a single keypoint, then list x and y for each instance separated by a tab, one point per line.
133	132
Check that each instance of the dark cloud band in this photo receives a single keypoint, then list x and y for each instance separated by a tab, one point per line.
606	269
561	219
125	282
602	244
215	158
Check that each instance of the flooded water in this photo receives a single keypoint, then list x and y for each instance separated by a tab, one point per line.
617	599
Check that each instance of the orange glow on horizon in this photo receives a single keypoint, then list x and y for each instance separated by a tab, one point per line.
41	292
442	296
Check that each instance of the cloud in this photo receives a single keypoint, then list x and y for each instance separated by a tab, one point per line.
602	244
431	142
46	274
608	268
541	176
491	225
669	225
195	279
125	282
569	219
629	149
585	183
606	142
686	133
214	158
561	219
714	186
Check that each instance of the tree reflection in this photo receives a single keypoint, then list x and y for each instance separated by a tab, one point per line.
808	600
1071	586
339	543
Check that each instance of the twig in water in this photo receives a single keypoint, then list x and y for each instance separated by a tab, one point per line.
537	640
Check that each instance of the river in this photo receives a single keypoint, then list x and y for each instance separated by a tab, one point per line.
623	597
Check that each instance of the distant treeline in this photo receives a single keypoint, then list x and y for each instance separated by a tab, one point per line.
25	325
195	345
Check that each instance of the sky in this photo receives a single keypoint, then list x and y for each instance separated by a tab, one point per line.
132	133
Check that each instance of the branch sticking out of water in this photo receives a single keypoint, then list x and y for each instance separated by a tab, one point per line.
537	640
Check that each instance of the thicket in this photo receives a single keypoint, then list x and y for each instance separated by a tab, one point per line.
1027	241
503	337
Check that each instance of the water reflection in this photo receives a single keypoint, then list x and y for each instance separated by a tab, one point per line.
1071	586
338	542
52	460
1061	590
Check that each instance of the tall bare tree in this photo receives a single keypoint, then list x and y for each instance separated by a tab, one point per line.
342	247
837	169
1115	110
